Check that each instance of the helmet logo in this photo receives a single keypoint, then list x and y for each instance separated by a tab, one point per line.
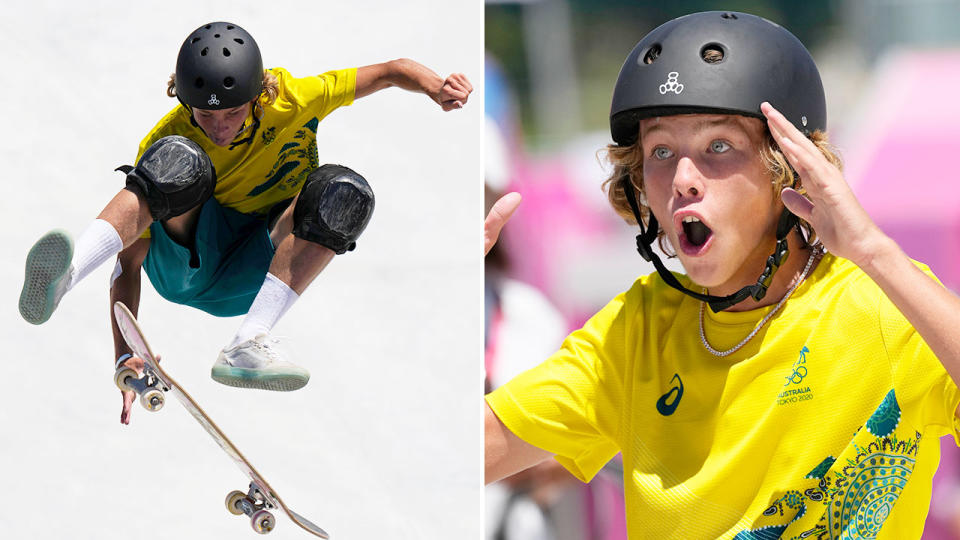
214	101
671	85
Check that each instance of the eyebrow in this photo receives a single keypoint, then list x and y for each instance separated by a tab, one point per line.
702	124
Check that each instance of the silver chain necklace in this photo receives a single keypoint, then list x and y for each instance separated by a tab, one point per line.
814	253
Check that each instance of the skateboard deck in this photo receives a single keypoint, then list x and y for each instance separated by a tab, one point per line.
260	497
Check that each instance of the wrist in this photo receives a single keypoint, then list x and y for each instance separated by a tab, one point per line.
881	256
123	358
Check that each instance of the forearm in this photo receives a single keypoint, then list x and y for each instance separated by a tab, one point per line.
505	453
402	73
126	288
931	309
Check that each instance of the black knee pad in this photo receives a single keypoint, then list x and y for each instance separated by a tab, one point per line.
174	175
334	207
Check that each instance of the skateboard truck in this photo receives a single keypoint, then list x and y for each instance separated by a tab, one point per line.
254	504
148	387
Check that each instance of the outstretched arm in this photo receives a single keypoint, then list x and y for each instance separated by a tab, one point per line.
450	93
847	231
126	288
505	453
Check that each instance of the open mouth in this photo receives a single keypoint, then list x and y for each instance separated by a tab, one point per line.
695	231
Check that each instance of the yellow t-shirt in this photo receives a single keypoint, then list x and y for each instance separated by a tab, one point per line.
252	177
824	425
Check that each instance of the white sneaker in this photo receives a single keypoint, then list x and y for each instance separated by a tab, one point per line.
47	276
258	363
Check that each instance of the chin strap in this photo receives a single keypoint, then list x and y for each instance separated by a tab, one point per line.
717	303
249	140
253	128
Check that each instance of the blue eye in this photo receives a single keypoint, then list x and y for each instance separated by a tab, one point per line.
719	146
662	152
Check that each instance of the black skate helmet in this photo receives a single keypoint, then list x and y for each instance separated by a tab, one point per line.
716	62
751	60
219	67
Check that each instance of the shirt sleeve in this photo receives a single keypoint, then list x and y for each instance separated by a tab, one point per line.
927	396
322	93
571	405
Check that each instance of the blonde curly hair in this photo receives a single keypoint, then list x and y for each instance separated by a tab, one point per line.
271	88
627	164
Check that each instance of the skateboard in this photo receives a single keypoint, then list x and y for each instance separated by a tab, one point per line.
260	498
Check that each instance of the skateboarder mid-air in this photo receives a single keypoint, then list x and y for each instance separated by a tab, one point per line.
228	209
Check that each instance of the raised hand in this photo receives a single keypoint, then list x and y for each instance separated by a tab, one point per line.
497	218
829	206
129	396
454	92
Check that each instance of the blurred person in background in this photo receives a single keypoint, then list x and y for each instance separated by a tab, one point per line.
817	417
520	325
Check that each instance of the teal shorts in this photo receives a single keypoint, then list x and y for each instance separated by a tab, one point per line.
224	269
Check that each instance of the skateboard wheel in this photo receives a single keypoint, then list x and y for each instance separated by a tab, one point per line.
233	499
121	376
262	521
152	399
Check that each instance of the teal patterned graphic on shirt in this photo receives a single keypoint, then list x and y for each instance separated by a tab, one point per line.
295	160
855	493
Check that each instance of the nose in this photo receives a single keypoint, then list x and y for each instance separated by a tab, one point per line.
687	180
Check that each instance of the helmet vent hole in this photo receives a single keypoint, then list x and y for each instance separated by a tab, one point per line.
228	82
729	15
652	54
204	51
216	35
226	51
230	27
194	40
238	40
712	53
208	26
198	82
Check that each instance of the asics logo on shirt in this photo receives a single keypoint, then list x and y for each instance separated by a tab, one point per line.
667	404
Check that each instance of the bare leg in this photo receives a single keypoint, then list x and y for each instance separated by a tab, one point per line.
183	228
130	216
56	263
294	266
297	262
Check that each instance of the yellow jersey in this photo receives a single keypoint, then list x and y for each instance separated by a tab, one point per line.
824	425
252	177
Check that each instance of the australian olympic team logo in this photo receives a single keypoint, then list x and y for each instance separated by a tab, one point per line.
672	84
799	368
793	389
213	100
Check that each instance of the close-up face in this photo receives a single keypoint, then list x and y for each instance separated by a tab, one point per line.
221	125
709	189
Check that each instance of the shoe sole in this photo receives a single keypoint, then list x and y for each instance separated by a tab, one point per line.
47	264
247	378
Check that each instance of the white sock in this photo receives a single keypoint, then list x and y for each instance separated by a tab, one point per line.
97	243
273	300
